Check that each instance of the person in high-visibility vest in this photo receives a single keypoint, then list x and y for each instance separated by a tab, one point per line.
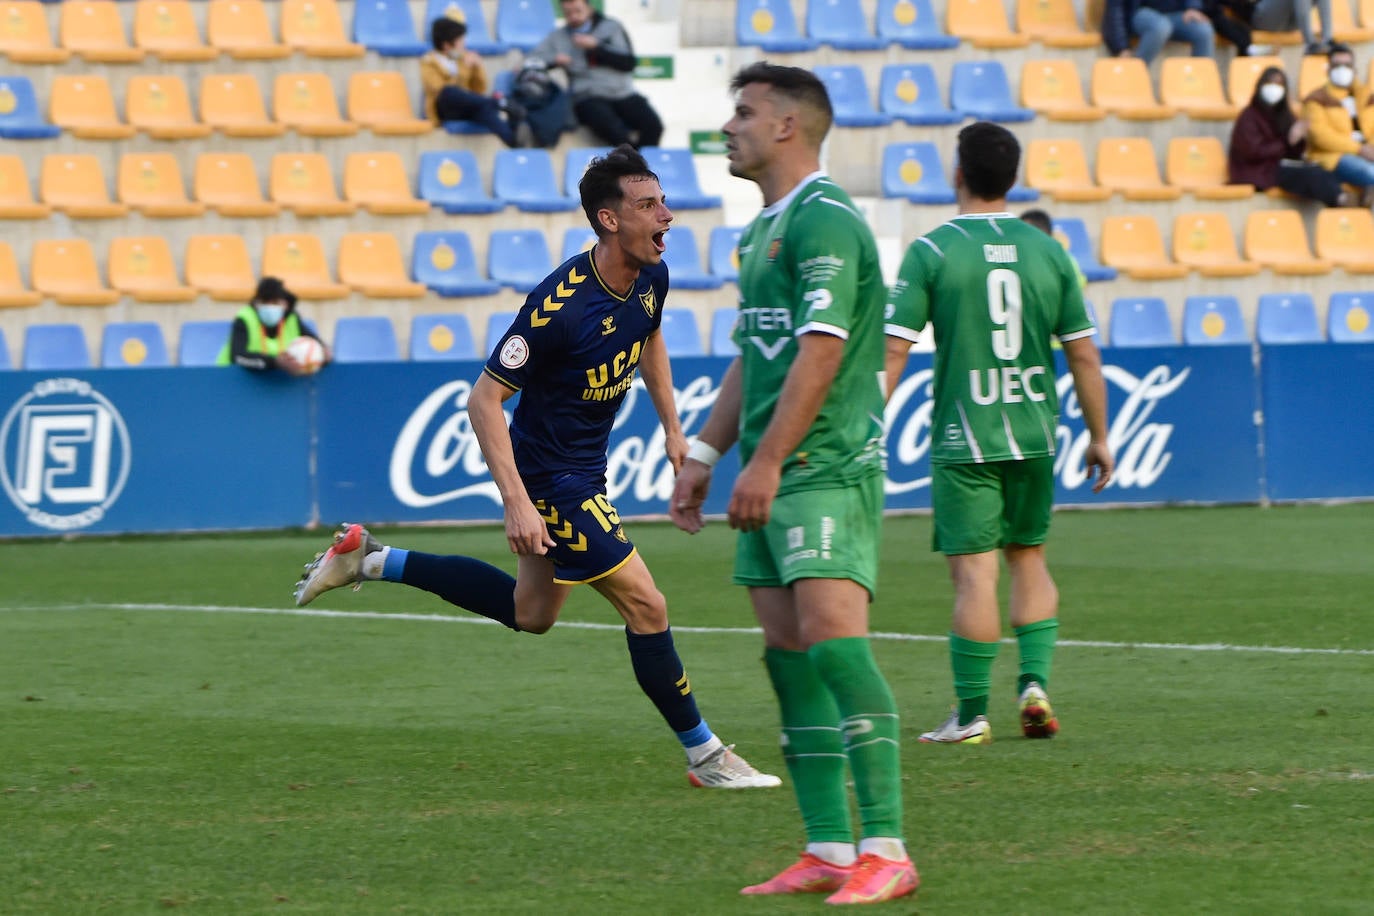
264	328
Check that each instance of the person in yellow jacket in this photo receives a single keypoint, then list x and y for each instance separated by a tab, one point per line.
1340	118
264	328
455	82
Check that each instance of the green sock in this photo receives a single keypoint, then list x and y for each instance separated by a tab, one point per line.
812	745
1036	643
871	730
972	664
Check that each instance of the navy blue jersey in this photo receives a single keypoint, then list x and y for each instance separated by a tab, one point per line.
572	353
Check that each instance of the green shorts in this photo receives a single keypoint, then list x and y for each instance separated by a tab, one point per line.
981	507
816	534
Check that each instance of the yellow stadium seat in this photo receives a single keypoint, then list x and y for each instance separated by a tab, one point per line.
167	28
316	28
1135	245
151	183
219	265
160	106
1345	236
372	264
13	293
24	34
378	182
228	183
382	102
298	259
75	185
1122	86
304	183
1277	239
232	104
1127	166
240	28
1204	241
83	105
1311	75
1343	27
1244	73
94	30
16	194
142	267
1193	86
1054	24
1198	165
984	23
65	270
1060	169
1053	89
306	103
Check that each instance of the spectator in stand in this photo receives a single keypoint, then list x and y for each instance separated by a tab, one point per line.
596	54
1268	143
1340	124
455	83
264	328
1290	15
1154	22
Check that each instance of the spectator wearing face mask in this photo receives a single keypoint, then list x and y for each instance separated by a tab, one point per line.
264	328
1268	142
455	83
1340	117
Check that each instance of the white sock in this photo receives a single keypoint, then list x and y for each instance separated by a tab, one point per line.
834	853
889	847
699	753
373	563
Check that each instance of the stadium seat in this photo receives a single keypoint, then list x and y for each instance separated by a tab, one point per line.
160	106
1060	169
470	13
75	185
1242	75
1277	239
680	332
151	184
524	177
315	28
377	181
849	97
306	103
372	264
1205	242
722	327
441	338
20	117
451	180
723	255
677	174
1343	27
1345	236
13	293
26	38
299	260
83	105
980	90
1198	165
1141	321
1126	166
133	345
142	267
1348	318
1311	75
770	25
445	263
228	184
1121	85
1193	86
1054	24
983	23
1213	320
914	171
683	258
94	31
841	24
1072	233
518	258
240	29
522	24
55	346
1284	318
65	270
383	103
232	104
913	25
575	162
167	29
5	364
577	239
304	184
219	265
365	339
497	325
1052	88
1135	245
387	27
16	194
911	92
199	343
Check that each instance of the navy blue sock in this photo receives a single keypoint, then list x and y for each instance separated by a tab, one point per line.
663	680
469	583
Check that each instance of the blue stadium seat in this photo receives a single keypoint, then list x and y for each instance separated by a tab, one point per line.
1285	318
841	24
771	25
497	325
683	258
577	239
522	24
524	177
55	346
914	171
518	258
677	175
20	116
1141	321
912	93
387	27
722	324
1075	232
4	352
723	258
365	339
849	97
199	342
479	35
913	25
1213	320
444	262
441	337
680	333
575	162
133	345
979	89
1348	318
452	181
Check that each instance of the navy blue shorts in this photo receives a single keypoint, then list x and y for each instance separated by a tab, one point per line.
591	543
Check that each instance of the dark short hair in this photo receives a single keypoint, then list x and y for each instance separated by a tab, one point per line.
989	157
1338	48
600	184
793	83
1040	220
271	289
444	30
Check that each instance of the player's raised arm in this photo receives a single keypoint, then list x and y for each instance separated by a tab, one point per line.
525	530
657	372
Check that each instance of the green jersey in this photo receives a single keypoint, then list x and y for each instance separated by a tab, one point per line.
997	291
809	264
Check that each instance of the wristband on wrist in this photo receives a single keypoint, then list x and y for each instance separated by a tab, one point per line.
700	451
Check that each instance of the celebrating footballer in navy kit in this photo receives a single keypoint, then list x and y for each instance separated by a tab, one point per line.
572	354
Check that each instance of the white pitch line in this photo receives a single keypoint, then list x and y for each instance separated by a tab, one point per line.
585	625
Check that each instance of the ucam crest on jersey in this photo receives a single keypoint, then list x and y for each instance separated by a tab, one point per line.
66	454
